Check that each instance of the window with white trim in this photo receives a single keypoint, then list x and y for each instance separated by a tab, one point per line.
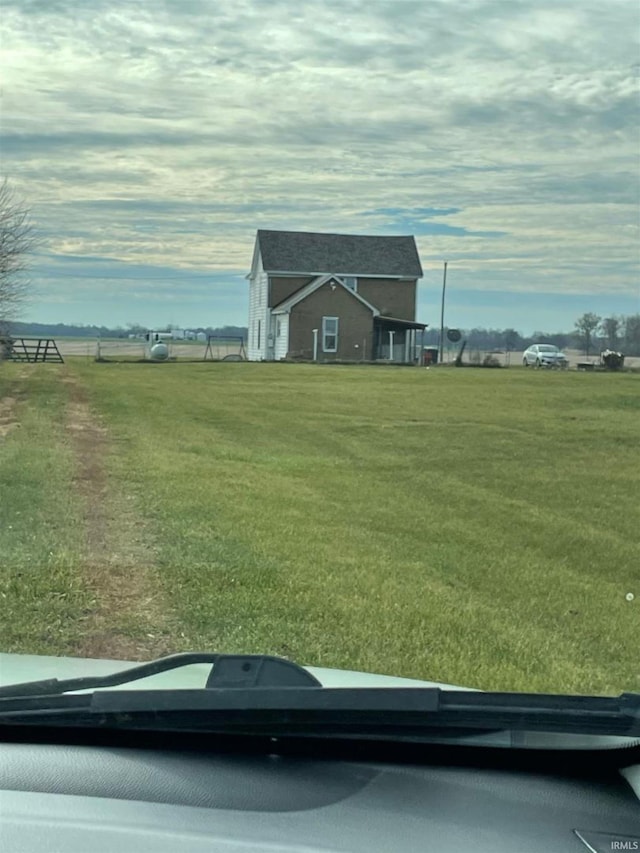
329	334
351	282
278	328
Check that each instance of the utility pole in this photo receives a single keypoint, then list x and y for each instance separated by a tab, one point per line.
444	287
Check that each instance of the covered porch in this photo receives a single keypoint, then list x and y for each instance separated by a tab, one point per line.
396	340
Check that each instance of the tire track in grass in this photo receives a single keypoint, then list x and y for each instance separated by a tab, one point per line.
7	415
9	403
129	618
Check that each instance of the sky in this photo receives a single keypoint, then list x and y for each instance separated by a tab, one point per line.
152	139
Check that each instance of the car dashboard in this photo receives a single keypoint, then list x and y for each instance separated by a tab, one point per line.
75	798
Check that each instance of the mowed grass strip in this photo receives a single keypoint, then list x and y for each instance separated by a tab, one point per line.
478	527
42	595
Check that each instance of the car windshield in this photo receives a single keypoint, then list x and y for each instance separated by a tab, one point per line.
271	274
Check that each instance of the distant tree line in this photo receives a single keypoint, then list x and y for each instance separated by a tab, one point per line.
60	330
137	329
591	334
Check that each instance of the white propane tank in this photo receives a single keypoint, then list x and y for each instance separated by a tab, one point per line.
159	352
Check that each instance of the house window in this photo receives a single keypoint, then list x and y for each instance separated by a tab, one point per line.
351	282
278	328
329	334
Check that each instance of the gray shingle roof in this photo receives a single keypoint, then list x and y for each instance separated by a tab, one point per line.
349	254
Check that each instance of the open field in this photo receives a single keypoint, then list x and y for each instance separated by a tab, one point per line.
194	350
479	527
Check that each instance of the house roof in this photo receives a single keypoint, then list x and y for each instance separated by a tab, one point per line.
382	319
302	292
346	254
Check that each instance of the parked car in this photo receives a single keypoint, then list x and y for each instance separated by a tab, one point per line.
544	355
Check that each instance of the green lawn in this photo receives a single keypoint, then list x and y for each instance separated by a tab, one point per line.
479	527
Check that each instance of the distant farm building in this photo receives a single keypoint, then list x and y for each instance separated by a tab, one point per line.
183	335
333	297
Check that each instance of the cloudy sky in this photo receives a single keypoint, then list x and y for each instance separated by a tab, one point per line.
151	138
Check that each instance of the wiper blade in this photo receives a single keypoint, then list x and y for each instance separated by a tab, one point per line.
252	693
227	671
393	709
374	712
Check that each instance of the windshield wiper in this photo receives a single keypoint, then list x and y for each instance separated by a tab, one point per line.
270	696
227	671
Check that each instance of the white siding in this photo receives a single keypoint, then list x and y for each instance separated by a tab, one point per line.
258	312
282	340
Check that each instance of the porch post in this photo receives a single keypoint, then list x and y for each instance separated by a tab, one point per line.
390	346
315	344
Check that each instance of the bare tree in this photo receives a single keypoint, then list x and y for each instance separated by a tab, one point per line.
17	241
586	326
632	334
610	329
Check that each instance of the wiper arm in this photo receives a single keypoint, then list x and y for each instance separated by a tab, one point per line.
227	671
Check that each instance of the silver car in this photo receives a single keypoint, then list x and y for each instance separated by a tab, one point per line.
544	355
